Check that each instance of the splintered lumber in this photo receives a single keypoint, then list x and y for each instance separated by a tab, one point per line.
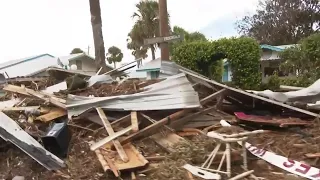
212	96
110	131
164	121
167	140
110	138
28	108
136	160
41	95
134	121
105	162
311	155
178	123
54	113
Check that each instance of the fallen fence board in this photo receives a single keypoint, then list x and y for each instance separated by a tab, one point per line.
12	132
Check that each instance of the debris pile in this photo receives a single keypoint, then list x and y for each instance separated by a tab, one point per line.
173	128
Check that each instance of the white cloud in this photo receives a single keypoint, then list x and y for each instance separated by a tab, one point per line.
57	26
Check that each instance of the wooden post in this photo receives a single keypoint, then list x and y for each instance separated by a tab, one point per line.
164	28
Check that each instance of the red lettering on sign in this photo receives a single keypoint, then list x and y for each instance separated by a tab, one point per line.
289	164
260	152
316	175
250	146
305	169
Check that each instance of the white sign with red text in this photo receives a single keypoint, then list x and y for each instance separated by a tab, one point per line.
284	163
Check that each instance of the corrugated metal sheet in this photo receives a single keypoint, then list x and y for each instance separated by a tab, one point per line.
175	92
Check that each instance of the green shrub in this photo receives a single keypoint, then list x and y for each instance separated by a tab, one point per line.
243	55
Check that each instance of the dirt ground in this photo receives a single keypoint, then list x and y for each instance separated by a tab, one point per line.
83	164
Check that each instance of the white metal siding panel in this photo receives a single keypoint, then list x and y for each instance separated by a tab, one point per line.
31	66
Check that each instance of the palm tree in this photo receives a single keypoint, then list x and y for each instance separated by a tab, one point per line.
114	55
96	23
146	26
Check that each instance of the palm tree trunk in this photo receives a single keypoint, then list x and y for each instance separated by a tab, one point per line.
153	52
114	65
96	23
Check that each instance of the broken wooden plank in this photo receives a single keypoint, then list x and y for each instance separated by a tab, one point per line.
104	162
178	124
12	132
110	138
110	131
41	95
136	160
134	121
212	96
312	155
54	113
28	108
153	127
167	140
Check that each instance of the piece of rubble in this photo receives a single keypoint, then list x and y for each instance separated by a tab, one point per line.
18	178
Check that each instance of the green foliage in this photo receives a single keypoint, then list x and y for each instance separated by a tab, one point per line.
243	55
196	56
187	37
304	58
273	83
76	51
299	81
146	26
114	55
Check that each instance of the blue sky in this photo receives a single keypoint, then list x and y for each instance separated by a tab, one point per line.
31	27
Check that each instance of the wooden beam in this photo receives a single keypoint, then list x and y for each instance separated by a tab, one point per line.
110	138
164	121
134	121
178	123
212	96
250	94
122	120
54	113
110	131
41	95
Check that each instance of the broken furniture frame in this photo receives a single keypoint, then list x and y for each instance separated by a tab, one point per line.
227	140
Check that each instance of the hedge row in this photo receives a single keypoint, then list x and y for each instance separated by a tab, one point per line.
243	55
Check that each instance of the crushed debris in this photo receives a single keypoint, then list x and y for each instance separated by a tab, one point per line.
153	142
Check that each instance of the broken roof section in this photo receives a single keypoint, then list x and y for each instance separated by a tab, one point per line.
175	92
26	66
12	132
